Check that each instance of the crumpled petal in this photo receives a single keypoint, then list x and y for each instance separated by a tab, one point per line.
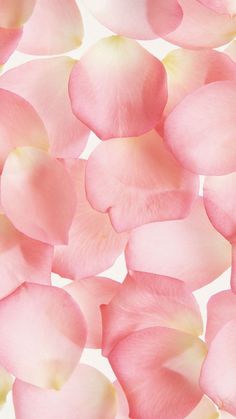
44	83
187	70
201	129
88	394
20	125
148	20
55	27
218	375
159	370
189	249
93	243
13	14
42	192
42	334
201	27
22	259
118	89
220	201
221	6
147	300
90	293
6	381
137	180
221	308
9	39
204	410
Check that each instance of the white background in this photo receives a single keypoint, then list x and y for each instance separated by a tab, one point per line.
93	32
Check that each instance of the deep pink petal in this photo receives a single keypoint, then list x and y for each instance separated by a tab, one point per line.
189	249
187	70
221	6
201	129
159	370
22	259
43	195
44	83
88	394
148	20
93	243
118	89
137	180
13	14
9	39
90	293
55	27
146	300
221	309
20	125
42	334
202	27
218	375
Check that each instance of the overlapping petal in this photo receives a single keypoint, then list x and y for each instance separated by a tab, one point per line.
159	370
42	334
205	409
201	129
6	381
55	27
221	6
147	300
21	259
118	89
20	125
43	193
88	394
202	27
9	39
137	180
189	249
148	20
90	293
187	70
93	243
13	14
218	376
44	83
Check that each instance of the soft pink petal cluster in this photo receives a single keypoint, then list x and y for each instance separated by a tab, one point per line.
162	125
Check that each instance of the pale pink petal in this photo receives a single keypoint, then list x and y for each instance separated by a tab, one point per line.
90	293
9	39
201	129
20	125
231	50
221	309
6	382
93	243
118	89
147	300
123	407
218	374
55	27
88	394
43	195
189	249
187	70
13	14
220	201
159	369
137	180
221	6
148	20
204	410
201	27
21	259
42	334
44	83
